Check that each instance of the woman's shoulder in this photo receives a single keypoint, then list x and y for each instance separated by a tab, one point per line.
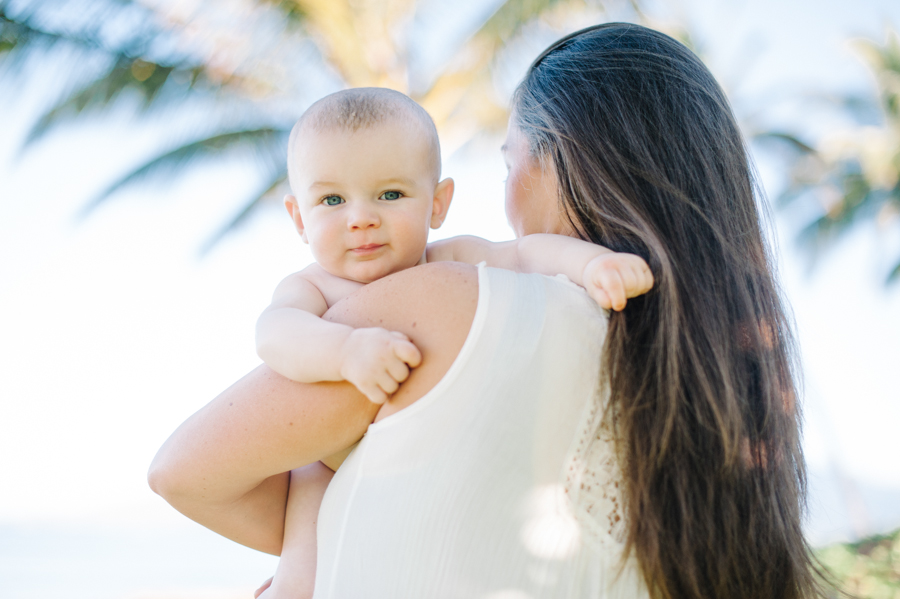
433	293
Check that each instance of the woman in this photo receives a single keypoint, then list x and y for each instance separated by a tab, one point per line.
681	409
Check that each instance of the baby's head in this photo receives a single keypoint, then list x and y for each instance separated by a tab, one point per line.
364	167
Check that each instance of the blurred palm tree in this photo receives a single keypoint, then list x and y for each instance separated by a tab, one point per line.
258	57
853	175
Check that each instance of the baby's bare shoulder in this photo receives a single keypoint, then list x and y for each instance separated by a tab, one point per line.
332	288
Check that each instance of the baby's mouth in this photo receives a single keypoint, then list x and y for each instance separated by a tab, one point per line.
369	248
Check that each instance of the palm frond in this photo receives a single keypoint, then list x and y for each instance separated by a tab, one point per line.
19	38
334	29
854	174
15	35
512	16
854	201
789	139
30	27
268	143
894	275
459	94
135	62
884	60
294	13
277	180
127	75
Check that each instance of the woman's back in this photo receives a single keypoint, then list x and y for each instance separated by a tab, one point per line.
464	494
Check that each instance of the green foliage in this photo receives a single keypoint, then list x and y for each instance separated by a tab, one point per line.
271	185
133	65
357	39
869	569
853	175
268	143
289	8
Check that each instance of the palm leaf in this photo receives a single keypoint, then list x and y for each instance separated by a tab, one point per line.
268	143
884	60
27	29
132	65
15	35
858	202
335	30
145	78
127	74
512	16
276	180
788	139
894	275
860	181
459	94
294	13
19	39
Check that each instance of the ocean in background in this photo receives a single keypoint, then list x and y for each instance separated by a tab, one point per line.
190	562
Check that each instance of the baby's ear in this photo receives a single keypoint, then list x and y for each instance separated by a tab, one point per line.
443	195
290	202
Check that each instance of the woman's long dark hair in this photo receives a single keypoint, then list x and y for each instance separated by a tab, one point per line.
700	370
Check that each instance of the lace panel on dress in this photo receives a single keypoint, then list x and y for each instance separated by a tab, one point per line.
593	479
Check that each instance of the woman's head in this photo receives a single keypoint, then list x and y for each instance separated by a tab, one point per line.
647	158
532	189
641	139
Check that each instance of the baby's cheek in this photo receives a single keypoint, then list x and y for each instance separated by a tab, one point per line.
325	255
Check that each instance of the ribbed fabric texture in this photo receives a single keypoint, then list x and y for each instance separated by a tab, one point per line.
464	494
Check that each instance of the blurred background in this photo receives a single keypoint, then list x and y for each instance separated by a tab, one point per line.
142	147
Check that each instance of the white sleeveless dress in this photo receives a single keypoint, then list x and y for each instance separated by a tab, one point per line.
499	482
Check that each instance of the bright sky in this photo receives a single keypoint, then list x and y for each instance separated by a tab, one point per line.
114	331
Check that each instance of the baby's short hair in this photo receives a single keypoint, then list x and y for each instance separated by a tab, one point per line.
362	107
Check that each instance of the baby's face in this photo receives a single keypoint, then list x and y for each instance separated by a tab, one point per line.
365	198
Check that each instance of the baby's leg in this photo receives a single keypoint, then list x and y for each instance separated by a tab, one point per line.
295	576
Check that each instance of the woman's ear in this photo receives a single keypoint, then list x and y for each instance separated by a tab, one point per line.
290	202
443	194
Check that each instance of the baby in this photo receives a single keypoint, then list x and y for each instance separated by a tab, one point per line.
364	167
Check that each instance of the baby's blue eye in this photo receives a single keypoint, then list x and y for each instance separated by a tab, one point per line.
391	195
333	200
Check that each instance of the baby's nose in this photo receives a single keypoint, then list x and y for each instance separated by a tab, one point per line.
363	217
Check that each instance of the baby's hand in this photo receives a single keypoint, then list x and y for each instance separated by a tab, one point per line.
376	361
613	277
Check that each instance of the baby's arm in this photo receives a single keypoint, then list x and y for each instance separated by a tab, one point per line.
296	573
609	277
295	342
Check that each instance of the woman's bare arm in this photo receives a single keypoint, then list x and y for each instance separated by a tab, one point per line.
227	466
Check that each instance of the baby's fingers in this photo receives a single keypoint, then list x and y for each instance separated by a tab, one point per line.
640	277
600	296
611	282
407	351
387	384
374	393
398	370
646	277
